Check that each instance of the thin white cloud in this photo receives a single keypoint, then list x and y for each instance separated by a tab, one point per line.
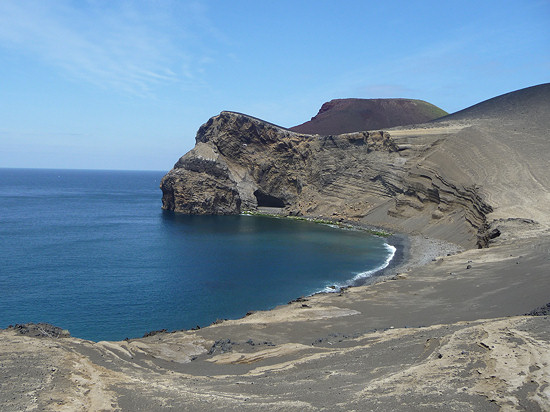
129	46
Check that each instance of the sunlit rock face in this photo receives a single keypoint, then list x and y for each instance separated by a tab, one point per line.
241	164
454	178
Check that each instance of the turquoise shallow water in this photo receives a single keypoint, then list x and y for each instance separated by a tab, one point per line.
92	252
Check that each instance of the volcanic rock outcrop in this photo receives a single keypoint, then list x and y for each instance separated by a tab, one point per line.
241	163
442	178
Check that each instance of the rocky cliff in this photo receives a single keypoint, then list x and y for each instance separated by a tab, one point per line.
453	178
243	164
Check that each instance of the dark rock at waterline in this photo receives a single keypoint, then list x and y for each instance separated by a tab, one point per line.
155	332
216	322
540	311
40	330
300	299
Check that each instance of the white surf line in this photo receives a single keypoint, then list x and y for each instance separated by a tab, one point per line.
364	275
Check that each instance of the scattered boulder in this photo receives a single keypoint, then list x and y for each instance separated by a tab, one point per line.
221	346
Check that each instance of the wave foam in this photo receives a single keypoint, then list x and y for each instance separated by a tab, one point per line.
364	275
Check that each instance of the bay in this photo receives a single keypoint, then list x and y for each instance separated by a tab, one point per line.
92	252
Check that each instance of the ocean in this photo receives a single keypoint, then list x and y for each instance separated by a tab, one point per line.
94	253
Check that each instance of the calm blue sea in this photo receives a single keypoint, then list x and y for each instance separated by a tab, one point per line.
92	252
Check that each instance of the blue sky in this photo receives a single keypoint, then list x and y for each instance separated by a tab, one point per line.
126	84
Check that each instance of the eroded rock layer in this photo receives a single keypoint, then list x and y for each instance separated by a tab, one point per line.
444	179
242	164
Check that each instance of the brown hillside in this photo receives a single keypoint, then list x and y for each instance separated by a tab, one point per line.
353	115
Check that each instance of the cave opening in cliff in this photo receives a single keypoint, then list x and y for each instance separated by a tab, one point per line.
267	200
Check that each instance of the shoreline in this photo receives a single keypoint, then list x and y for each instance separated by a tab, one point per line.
457	317
400	241
411	251
404	258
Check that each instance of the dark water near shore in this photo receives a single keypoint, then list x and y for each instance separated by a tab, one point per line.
92	252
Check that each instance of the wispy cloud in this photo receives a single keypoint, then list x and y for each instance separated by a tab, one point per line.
133	47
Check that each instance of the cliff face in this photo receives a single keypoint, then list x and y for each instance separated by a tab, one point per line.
242	164
458	179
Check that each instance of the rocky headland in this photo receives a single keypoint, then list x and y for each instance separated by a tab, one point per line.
445	331
445	179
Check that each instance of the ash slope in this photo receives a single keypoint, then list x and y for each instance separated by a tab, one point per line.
354	115
453	179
